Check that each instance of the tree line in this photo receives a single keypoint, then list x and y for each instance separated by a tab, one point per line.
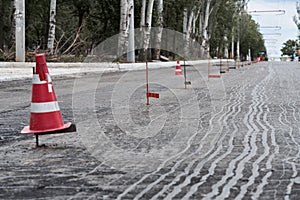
76	27
291	47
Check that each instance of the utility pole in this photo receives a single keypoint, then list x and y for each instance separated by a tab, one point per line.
20	30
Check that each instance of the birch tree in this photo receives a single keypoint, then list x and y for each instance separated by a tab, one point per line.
12	21
159	30
1	24
52	21
147	29
188	30
143	15
20	30
205	36
232	44
142	26
185	21
130	49
191	14
124	27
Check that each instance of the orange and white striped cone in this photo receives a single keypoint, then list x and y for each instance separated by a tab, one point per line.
178	70
45	116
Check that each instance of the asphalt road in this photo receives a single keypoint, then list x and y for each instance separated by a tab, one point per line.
237	137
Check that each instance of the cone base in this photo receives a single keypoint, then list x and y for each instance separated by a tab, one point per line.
62	129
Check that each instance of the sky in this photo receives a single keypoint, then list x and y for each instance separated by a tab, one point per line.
274	38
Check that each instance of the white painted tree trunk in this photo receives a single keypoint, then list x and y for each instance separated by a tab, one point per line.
142	27
188	33
185	21
200	23
249	55
226	54
131	50
148	24
1	25
146	29
205	35
20	30
195	31
158	34
194	25
52	22
124	25
143	14
232	45
238	40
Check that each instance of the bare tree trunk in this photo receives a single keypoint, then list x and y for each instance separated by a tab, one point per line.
131	50
147	29
124	25
20	30
226	55
205	36
194	25
52	21
1	24
143	12
185	21
195	32
201	34
232	45
159	29
142	26
12	25
188	28
189	32
238	56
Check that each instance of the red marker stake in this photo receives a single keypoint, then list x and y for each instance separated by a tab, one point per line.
147	84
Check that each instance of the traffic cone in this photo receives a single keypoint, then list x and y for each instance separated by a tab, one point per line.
45	116
178	70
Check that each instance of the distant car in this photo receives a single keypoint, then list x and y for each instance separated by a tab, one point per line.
263	56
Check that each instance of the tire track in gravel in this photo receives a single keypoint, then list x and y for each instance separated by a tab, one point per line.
266	152
134	175
241	99
181	153
200	165
177	178
211	170
212	156
156	171
249	151
264	180
283	117
286	119
161	166
291	160
161	178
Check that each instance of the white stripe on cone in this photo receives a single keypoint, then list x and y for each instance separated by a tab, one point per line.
36	80
44	107
50	88
48	78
